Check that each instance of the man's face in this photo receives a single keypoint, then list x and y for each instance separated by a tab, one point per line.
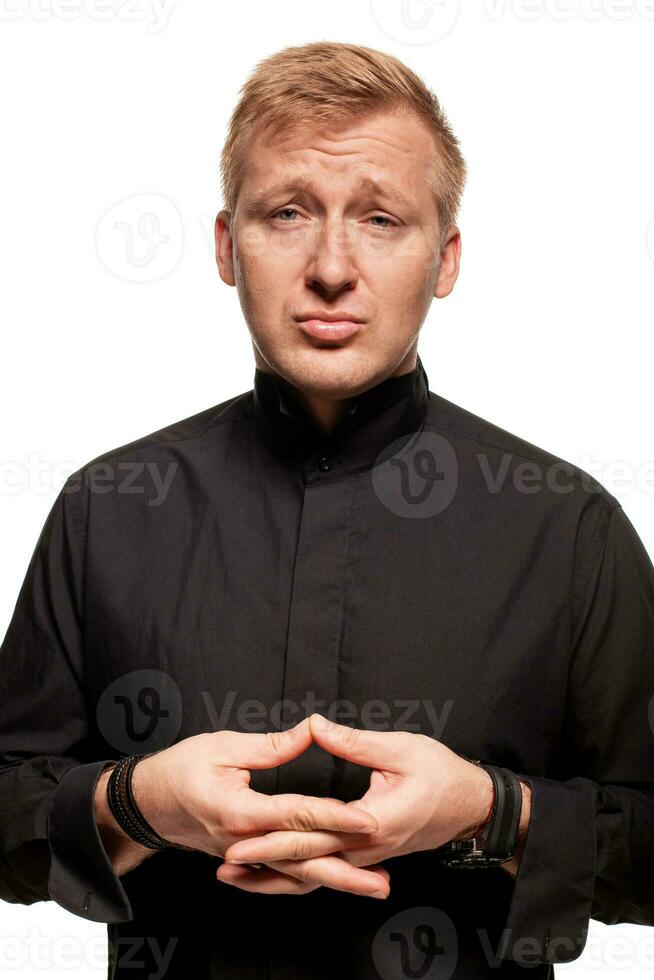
337	221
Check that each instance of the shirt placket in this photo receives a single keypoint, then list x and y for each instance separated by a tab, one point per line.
317	615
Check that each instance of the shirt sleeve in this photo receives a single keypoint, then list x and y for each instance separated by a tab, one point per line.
50	847
589	849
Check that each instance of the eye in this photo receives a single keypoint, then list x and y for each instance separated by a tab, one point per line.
284	211
293	211
383	218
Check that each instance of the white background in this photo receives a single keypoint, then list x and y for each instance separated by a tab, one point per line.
112	329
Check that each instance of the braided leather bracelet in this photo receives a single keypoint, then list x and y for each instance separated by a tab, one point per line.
125	809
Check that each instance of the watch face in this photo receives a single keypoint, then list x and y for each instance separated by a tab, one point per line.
470	861
469	854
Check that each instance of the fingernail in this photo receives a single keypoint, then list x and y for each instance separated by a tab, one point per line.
320	721
232	861
367	826
377	894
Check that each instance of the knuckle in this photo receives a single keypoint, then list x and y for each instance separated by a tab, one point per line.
290	872
219	742
351	738
352	883
303	819
236	825
302	873
275	740
302	848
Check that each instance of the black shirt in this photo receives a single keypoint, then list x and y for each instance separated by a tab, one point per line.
420	569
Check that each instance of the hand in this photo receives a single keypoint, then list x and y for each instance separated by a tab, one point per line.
421	792
196	795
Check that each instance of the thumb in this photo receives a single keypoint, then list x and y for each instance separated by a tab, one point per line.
377	750
270	749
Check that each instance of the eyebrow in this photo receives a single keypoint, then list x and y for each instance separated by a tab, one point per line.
303	182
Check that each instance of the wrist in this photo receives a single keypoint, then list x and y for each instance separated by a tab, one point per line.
124	852
125	807
104	818
154	810
481	800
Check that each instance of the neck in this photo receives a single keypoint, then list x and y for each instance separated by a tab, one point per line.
325	413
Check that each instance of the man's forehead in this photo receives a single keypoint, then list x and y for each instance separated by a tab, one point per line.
289	182
391	139
268	177
399	124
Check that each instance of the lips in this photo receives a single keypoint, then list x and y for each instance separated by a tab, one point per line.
330	329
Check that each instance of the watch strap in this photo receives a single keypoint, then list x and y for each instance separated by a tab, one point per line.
501	834
497	841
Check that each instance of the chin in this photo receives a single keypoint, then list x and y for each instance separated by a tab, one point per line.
331	372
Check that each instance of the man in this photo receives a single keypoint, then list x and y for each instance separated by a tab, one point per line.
338	542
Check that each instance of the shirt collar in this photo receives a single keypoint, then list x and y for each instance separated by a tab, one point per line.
380	415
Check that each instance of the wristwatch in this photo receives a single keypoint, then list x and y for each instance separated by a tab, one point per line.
497	841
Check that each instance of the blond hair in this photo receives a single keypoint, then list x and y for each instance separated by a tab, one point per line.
327	82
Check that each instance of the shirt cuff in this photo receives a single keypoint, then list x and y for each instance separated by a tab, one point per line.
81	878
553	889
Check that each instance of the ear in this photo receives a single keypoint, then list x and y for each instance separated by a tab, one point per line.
224	248
449	263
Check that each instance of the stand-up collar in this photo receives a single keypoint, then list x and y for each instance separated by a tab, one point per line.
389	410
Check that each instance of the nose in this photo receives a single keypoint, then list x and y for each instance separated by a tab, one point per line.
331	267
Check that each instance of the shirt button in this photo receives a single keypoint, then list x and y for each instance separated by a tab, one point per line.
324	463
